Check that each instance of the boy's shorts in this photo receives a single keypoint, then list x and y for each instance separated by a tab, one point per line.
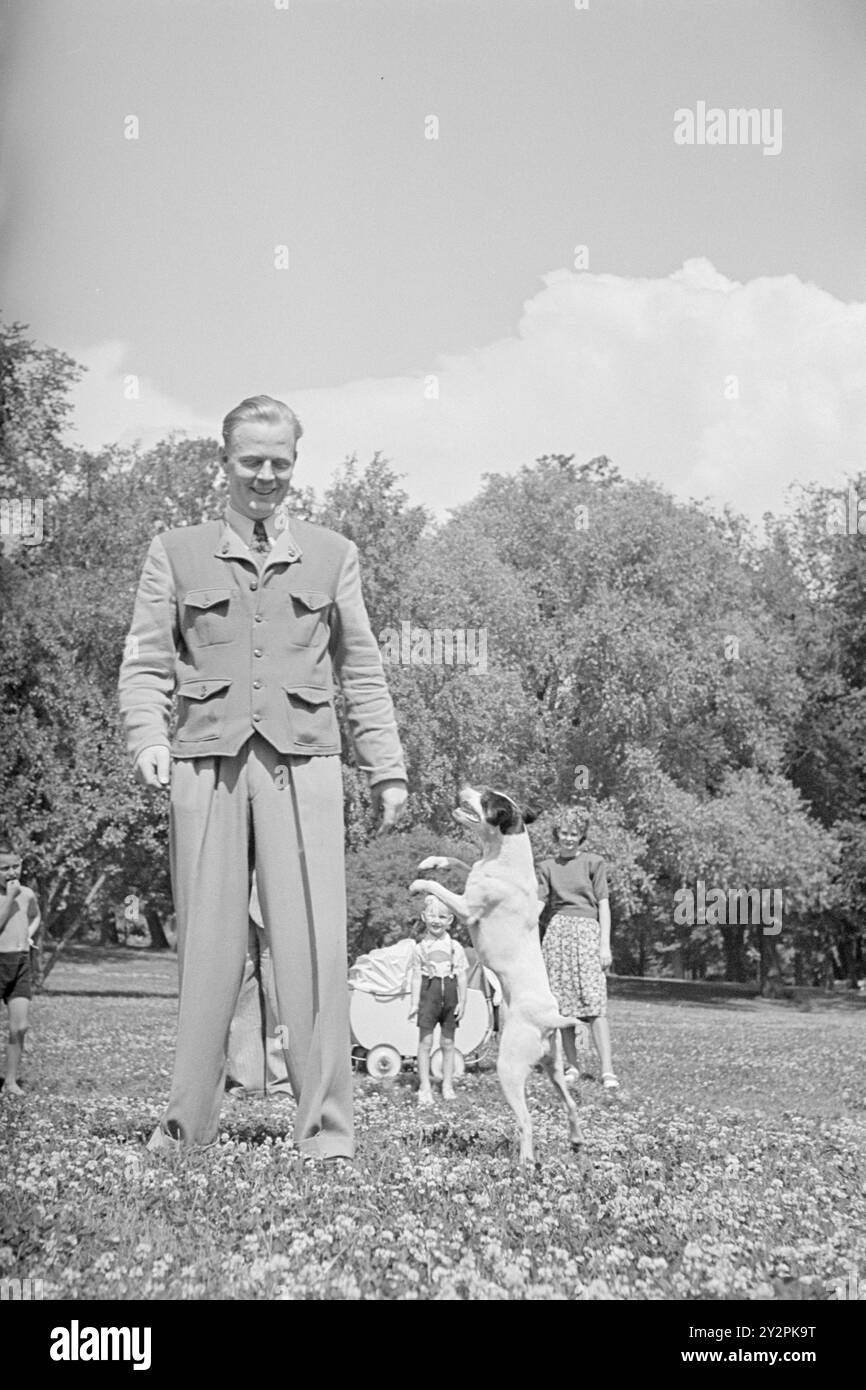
15	976
436	1004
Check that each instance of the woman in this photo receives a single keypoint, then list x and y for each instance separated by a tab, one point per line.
576	946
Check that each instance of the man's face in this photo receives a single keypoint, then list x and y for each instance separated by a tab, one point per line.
258	464
436	917
10	868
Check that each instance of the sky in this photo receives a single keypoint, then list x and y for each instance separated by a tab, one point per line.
205	199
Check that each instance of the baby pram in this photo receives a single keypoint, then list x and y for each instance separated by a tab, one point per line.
386	1038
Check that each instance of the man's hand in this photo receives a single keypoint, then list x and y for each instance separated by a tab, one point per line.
153	766
459	1009
389	798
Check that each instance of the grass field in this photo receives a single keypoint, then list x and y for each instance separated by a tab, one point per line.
733	1165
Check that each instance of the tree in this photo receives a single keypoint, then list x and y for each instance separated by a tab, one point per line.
34	411
369	507
381	910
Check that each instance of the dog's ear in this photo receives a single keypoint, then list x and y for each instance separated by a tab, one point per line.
501	816
529	816
498	811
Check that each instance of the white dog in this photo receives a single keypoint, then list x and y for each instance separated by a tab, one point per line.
500	906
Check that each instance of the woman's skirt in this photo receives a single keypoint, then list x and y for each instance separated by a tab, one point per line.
571	950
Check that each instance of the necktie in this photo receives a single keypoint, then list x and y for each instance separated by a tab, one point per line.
260	544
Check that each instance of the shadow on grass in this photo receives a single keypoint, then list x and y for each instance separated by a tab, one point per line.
467	1140
717	994
253	1131
91	953
107	994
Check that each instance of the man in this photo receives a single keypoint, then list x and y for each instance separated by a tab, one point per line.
249	625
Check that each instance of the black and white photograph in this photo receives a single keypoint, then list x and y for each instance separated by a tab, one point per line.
433	664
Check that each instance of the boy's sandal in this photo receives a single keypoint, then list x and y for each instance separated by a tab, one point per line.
609	1081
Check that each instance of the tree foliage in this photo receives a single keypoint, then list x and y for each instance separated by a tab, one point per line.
702	690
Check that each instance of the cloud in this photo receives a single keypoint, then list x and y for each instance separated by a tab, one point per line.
714	388
112	405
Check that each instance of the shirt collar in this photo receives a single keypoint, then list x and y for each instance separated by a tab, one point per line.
243	525
284	544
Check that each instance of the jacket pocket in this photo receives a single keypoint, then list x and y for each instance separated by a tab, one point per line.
200	705
312	716
310	611
209	616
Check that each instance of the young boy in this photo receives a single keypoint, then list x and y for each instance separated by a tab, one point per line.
439	980
19	922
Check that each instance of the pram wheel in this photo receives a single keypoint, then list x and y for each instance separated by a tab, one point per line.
384	1062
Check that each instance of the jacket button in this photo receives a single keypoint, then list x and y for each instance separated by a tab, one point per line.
253	584
257	685
257	618
203	691
225	549
257	652
256	718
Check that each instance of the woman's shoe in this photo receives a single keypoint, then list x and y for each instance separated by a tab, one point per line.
609	1081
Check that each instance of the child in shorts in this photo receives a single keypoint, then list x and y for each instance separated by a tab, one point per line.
19	922
439	981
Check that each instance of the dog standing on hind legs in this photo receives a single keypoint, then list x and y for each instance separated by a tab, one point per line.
500	907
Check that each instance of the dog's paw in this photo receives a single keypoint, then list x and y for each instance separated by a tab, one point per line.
434	861
418	885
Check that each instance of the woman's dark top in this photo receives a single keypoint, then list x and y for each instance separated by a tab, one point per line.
575	886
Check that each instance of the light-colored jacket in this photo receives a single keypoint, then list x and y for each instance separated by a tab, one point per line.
249	652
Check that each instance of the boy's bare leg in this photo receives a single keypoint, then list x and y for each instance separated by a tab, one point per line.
425	1044
448	1069
15	1046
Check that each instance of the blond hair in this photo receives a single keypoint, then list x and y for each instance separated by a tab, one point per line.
574	821
264	408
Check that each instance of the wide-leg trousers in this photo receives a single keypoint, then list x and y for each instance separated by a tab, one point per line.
282	816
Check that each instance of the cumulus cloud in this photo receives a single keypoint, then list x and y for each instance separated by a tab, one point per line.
714	388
